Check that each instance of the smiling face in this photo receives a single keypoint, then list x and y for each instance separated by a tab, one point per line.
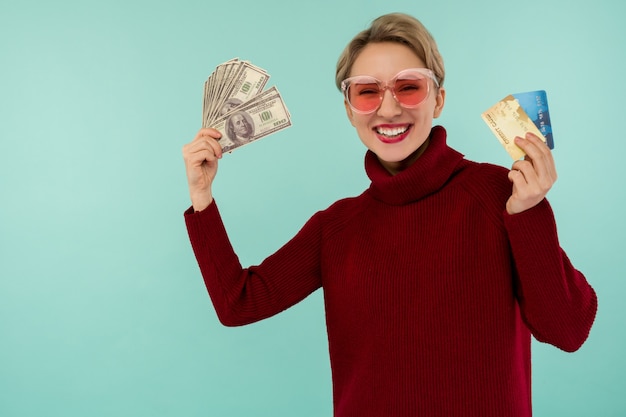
394	133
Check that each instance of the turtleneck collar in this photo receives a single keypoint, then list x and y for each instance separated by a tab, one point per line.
425	176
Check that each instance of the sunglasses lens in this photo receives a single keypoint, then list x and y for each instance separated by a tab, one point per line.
364	95
411	91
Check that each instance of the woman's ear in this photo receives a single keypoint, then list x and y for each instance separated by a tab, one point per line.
440	101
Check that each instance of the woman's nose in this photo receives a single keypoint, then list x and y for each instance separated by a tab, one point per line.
389	106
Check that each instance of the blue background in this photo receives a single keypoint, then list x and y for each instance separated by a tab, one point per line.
102	308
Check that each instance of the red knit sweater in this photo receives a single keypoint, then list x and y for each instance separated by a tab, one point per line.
431	289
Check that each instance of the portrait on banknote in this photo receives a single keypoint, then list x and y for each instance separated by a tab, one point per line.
239	129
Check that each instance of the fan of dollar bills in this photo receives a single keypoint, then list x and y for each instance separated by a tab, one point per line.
236	105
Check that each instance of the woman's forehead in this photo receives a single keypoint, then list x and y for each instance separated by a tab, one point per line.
385	60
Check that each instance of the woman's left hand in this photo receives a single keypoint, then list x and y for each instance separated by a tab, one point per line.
533	176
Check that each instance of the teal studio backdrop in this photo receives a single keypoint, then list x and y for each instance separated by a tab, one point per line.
103	311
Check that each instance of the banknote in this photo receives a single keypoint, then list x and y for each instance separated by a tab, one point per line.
219	82
236	105
231	84
535	104
507	119
242	83
263	115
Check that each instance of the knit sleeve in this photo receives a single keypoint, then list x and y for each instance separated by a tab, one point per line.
556	301
246	295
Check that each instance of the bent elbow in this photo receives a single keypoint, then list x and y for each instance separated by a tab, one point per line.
573	334
230	319
232	316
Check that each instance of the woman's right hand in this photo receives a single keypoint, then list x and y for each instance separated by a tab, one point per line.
201	157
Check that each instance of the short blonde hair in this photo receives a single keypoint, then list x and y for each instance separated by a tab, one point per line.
394	27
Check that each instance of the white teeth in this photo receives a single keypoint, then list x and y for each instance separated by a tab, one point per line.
391	132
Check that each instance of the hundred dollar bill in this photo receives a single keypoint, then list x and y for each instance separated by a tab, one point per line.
222	81
264	114
507	119
247	83
232	84
213	85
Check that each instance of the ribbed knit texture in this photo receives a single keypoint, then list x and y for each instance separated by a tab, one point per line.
431	289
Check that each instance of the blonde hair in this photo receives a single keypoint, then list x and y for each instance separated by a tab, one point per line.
394	27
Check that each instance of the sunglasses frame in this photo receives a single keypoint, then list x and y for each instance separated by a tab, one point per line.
389	85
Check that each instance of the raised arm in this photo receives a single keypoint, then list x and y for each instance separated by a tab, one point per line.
242	295
557	302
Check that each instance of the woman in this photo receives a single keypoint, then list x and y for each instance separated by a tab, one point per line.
436	276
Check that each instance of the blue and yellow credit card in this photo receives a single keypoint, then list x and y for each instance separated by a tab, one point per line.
535	104
517	114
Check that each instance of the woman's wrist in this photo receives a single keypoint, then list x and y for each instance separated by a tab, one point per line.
201	203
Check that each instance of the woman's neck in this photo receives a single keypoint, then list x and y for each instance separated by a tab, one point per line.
396	167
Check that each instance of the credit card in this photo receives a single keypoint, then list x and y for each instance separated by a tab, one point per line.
535	104
507	119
